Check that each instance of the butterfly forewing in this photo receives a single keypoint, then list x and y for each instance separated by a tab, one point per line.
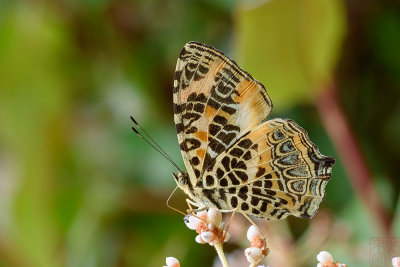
215	102
235	159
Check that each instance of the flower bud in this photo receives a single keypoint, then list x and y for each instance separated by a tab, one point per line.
324	257
202	214
396	261
207	237
193	223
199	240
252	232
214	216
254	255
172	262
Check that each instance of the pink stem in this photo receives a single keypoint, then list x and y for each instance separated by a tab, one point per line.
351	157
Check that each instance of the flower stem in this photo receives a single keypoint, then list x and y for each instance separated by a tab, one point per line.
350	153
221	255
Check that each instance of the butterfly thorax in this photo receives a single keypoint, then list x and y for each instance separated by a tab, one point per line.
196	193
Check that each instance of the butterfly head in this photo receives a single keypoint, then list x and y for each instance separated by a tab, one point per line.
182	179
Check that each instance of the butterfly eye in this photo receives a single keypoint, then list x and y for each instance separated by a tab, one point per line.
182	180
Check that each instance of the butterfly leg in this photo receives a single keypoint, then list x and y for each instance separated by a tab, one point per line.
192	211
229	224
169	206
189	202
250	220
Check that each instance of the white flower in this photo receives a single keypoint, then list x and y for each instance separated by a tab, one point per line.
172	262
254	255
214	216
324	257
253	232
326	260
209	227
258	250
396	261
207	237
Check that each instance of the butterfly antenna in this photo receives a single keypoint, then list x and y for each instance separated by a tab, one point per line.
153	143
159	147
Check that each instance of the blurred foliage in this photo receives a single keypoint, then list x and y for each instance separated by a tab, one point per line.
369	83
282	39
77	188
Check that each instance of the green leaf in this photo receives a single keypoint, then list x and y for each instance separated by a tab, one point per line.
290	46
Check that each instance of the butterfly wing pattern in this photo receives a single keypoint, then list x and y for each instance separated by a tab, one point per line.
234	158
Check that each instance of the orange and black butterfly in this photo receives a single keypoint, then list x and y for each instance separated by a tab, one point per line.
236	160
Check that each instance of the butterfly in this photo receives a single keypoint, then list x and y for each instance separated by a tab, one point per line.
236	160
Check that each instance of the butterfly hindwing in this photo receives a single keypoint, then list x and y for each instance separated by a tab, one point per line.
215	102
272	172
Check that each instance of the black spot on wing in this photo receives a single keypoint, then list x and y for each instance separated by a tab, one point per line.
190	144
245	206
260	172
209	180
246	143
243	192
223	182
234	202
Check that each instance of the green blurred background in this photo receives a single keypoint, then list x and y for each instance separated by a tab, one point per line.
78	188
